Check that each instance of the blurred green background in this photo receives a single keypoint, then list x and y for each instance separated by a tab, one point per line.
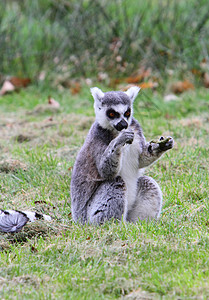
84	37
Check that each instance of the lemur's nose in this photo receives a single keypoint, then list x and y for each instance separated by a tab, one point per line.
121	125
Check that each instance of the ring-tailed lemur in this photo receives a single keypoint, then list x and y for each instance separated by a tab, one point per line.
14	220
107	179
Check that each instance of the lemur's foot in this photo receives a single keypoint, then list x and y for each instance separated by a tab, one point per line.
162	145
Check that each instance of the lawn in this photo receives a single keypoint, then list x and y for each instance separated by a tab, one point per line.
164	259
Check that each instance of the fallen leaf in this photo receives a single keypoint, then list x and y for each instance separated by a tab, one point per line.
168	117
102	76
134	79
170	97
40	202
7	87
148	85
88	81
42	76
75	88
33	249
196	72
204	64
143	85
114	82
206	80
181	86
23	138
50	119
139	76
53	102
14	83
20	82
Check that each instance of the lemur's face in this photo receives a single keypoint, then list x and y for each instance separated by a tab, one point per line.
116	116
114	110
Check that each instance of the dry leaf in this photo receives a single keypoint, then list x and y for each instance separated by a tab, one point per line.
102	76
53	103
181	86
33	249
20	82
143	85
20	138
114	82
7	87
204	64
206	80
196	72
140	76
134	79
170	97
42	76
168	117
75	88
13	84
148	85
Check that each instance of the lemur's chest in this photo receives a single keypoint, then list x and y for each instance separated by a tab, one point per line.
129	162
129	167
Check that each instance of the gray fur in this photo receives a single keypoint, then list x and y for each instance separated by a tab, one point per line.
107	178
114	98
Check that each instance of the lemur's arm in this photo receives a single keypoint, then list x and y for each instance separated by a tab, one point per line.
153	150
109	164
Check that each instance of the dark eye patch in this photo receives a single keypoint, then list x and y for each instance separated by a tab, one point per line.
127	113
112	114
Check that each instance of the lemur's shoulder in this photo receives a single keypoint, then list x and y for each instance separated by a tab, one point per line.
100	134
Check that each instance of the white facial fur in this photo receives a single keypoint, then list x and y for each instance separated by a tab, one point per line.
107	123
100	110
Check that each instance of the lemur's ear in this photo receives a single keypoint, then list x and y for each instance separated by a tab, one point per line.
97	94
132	92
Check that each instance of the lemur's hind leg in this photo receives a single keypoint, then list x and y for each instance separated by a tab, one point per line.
107	202
148	201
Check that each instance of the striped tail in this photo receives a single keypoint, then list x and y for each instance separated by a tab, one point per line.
14	220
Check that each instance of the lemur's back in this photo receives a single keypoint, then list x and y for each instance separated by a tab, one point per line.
85	176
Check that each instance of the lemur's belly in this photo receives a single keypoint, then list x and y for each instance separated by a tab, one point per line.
130	171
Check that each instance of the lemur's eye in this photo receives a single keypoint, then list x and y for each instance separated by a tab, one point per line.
112	114
127	113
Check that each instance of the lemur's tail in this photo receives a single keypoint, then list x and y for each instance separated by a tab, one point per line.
14	220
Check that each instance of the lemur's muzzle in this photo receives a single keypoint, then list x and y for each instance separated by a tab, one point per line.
121	125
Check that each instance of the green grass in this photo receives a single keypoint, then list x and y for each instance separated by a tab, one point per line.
165	259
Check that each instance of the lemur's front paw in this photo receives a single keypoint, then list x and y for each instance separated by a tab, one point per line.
125	137
166	143
162	145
